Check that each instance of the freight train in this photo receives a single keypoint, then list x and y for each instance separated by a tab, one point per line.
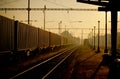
19	40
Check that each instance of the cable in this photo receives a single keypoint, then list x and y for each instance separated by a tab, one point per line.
7	2
56	3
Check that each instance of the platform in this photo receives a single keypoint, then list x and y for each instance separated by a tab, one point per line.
92	68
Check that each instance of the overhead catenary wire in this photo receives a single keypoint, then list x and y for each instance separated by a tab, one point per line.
7	2
57	4
52	9
44	9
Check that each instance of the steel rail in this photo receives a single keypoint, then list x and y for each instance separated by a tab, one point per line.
45	76
25	71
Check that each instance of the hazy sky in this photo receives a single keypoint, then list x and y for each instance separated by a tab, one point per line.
89	18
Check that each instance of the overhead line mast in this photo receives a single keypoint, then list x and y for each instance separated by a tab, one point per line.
28	11
46	9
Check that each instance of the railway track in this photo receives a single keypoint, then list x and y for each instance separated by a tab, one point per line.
57	66
45	68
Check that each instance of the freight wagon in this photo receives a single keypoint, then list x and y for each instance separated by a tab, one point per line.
19	40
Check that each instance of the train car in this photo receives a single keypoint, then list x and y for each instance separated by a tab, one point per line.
27	37
63	40
18	36
55	40
6	35
6	39
21	40
43	39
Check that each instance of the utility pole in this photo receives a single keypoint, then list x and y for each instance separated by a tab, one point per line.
94	38
28	11
59	24
98	50
81	36
59	28
44	16
65	28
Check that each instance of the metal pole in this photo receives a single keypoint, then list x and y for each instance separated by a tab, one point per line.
82	37
94	38
65	28
105	51
98	50
59	26
28	11
114	16
113	32
44	16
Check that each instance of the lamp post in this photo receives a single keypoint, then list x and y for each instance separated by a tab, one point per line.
94	38
98	50
59	24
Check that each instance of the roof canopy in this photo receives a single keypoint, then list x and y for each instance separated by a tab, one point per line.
107	5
